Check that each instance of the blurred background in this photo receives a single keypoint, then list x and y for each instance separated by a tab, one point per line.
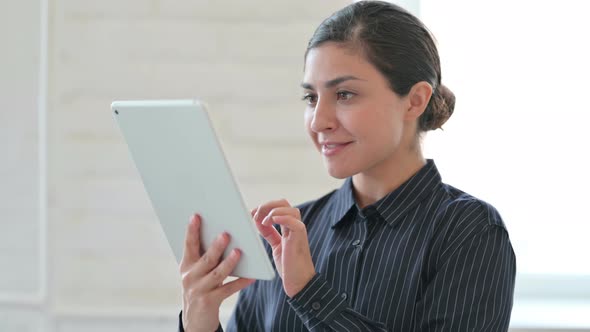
80	246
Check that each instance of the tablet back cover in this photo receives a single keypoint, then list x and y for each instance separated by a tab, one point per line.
184	171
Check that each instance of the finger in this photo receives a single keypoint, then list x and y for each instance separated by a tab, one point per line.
270	234
253	212
290	222
222	271
211	257
192	241
265	208
281	211
234	286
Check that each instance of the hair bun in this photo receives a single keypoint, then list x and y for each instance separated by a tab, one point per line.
439	110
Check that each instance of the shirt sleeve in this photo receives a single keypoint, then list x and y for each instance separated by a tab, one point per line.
473	287
245	317
181	328
472	291
322	308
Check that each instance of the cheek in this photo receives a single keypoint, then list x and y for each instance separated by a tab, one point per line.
307	121
378	128
392	132
307	118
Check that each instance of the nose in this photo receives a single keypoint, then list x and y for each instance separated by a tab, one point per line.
324	117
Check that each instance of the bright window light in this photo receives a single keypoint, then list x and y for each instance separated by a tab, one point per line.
519	135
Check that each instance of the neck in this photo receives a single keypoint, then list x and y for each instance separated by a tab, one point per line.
373	184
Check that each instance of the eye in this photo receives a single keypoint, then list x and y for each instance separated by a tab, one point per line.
344	95
310	98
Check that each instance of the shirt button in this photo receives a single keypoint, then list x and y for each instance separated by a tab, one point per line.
344	296
316	306
356	242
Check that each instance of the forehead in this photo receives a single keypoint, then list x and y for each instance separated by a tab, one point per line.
332	60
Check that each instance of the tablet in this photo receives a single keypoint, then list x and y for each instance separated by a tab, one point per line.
184	171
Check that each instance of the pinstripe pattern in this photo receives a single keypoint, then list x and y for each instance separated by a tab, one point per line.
427	257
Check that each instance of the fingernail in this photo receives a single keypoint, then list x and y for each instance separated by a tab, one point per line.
236	252
257	211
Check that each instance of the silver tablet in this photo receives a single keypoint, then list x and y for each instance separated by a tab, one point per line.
184	171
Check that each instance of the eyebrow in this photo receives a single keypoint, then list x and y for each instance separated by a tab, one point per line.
332	83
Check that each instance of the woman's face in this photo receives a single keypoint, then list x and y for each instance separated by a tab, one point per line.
355	120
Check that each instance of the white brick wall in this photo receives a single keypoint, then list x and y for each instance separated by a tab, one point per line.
109	265
21	320
19	232
244	58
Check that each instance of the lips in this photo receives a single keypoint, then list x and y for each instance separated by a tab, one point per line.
334	142
333	148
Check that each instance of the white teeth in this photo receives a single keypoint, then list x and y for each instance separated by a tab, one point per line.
333	146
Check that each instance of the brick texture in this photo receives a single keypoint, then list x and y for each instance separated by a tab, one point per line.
244	59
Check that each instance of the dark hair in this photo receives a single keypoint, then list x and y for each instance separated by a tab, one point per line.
398	45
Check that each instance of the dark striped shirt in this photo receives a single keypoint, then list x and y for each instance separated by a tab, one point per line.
426	257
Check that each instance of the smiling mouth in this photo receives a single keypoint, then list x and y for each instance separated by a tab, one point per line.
332	149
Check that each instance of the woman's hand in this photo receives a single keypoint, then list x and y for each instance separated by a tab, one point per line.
202	279
291	250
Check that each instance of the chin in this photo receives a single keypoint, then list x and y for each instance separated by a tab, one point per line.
339	173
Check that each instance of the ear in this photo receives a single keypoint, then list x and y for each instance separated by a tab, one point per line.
418	98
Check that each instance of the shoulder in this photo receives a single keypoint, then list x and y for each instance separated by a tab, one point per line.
464	223
463	210
461	218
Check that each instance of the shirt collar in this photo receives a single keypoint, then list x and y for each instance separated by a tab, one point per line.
342	202
394	205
